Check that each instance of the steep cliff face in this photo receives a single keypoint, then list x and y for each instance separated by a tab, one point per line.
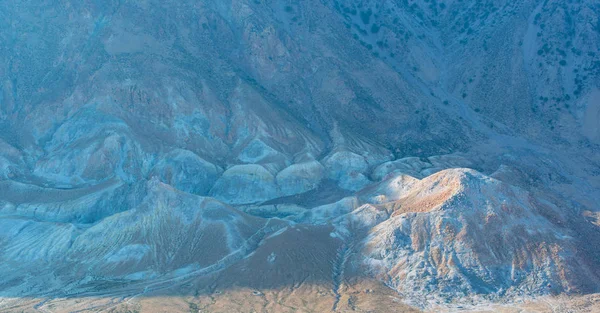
452	146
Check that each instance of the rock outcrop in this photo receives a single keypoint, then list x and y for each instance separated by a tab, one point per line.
459	233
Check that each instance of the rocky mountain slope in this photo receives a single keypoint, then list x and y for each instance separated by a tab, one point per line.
458	233
437	153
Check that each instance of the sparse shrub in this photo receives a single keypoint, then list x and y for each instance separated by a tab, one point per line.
365	16
375	28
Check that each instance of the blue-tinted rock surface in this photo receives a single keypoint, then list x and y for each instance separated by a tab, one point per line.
151	143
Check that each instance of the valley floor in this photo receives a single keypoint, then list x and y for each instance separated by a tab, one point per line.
364	296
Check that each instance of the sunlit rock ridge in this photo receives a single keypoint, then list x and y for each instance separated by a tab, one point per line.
444	153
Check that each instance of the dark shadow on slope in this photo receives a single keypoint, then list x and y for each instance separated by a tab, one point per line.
327	192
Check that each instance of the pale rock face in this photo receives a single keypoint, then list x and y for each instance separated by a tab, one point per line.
167	231
243	184
410	166
79	205
420	167
259	152
91	146
391	189
5	168
345	161
300	177
348	169
11	161
29	242
460	232
354	181
187	172
328	212
365	217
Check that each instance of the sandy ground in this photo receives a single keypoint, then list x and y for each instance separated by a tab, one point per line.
363	296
